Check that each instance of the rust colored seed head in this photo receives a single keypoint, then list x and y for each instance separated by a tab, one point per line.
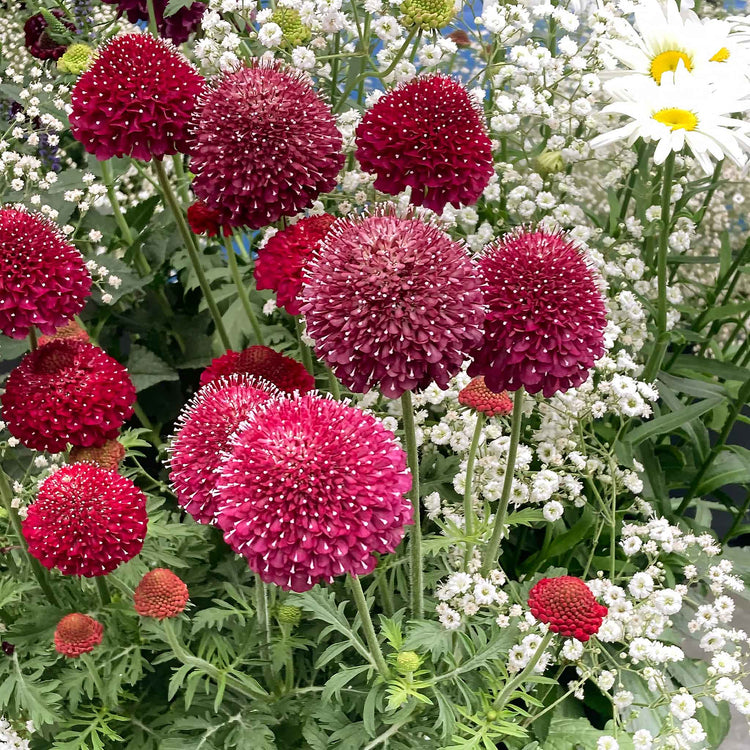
479	397
160	594
77	634
108	456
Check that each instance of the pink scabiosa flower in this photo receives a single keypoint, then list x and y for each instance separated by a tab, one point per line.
67	391
265	145
427	134
85	521
282	259
203	431
77	634
177	27
546	315
310	490
393	302
43	279
285	373
136	99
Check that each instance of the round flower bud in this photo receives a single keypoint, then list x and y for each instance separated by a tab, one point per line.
160	594
550	162
77	634
427	14
289	614
407	661
294	31
76	59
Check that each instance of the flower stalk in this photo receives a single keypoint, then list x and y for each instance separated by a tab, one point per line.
234	270
369	629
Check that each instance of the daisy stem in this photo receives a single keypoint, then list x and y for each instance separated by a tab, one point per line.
490	557
518	680
415	535
103	589
662	336
234	269
364	614
36	567
152	18
33	341
304	349
468	503
192	248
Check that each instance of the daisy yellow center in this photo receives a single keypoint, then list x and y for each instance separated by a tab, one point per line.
721	56
668	61
676	119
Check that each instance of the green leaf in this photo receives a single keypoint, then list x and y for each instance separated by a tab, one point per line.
175	6
334	686
687	363
726	311
731	466
578	734
146	369
672	421
691	386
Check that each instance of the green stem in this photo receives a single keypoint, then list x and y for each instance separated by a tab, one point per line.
234	270
182	183
192	248
304	349
33	341
36	567
103	589
416	583
469	518
264	626
386	595
662	336
109	182
738	519
152	18
515	434
364	614
333	384
510	687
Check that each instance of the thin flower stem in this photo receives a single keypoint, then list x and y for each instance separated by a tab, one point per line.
383	738
109	183
182	183
103	589
304	349
364	613
234	270
518	680
468	503
264	626
192	248
33	341
386	595
416	581
490	557
152	18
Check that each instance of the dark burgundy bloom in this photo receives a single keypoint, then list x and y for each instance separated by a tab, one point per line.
38	41
204	220
177	27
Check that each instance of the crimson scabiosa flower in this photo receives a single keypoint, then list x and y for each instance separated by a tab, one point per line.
108	456
177	27
285	373
429	135
204	220
567	605
393	302
282	259
160	594
478	396
311	488
77	634
38	41
265	145
43	278
546	315
67	391
203	432
86	521
136	99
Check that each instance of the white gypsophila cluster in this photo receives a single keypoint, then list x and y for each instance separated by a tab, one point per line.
9	737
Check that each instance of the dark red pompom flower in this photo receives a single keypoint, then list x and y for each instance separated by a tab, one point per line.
265	145
281	261
285	373
77	634
43	279
204	220
567	605
546	315
37	39
108	456
160	594
86	521
311	490
393	302
136	99
67	391
427	134
478	396
203	431
177	27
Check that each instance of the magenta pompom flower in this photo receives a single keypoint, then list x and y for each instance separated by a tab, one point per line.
311	490
393	302
135	100
429	135
43	279
265	146
177	27
86	521
67	391
203	432
546	315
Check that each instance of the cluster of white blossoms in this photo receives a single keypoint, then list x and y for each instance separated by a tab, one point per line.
10	739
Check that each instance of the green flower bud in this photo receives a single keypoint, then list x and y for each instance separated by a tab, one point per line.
289	614
288	20
407	661
550	162
491	715
75	59
427	14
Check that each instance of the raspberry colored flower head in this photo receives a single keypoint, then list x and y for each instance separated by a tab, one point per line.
310	490
392	301
546	316
77	634
108	456
177	27
86	521
427	134
37	39
567	605
69	330
281	261
285	373
43	279
160	594
204	220
203	431
479	397
265	145
135	100
67	391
